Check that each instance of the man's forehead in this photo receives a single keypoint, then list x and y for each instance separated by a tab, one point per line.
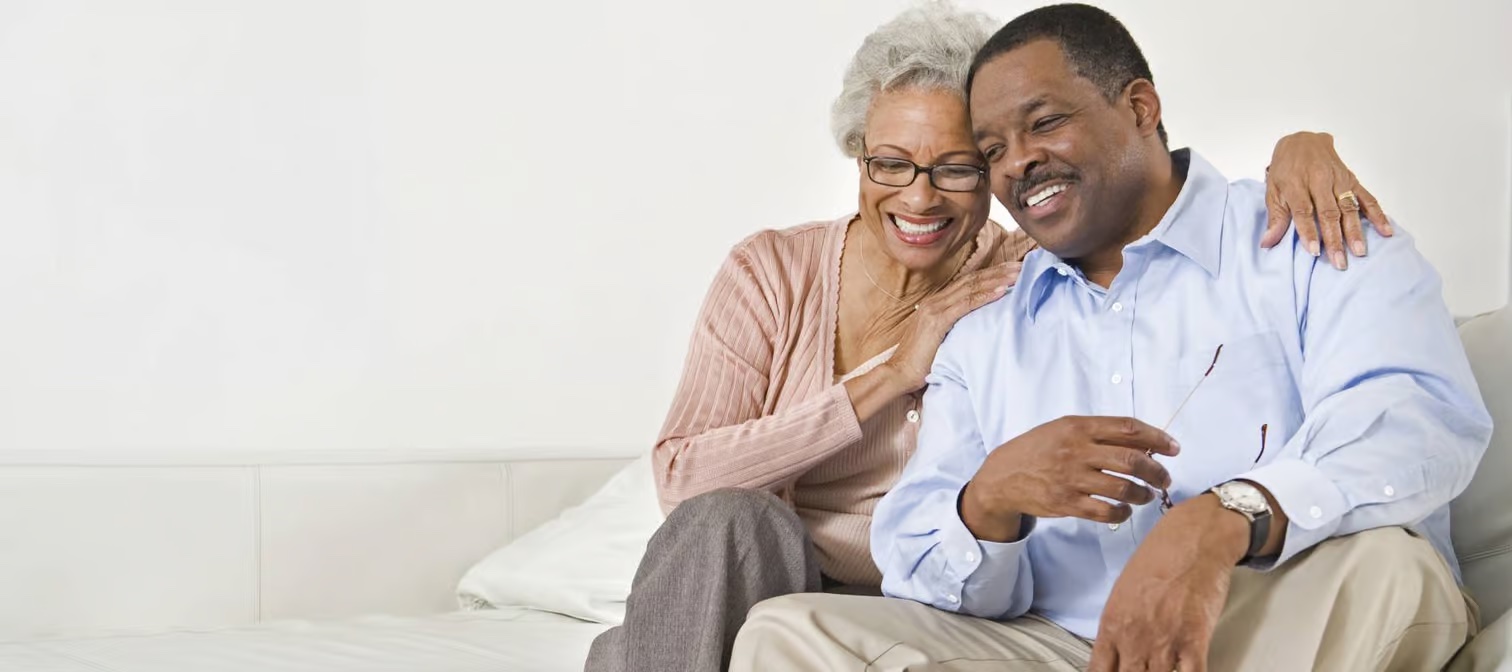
1039	58
1022	80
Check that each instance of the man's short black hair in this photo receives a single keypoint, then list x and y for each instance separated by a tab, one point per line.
1096	45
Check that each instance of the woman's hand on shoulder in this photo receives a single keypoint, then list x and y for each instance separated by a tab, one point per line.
934	317
1308	183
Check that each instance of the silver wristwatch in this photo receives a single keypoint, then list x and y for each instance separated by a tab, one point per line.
1247	500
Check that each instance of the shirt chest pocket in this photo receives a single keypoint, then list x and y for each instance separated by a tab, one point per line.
1228	362
1231	411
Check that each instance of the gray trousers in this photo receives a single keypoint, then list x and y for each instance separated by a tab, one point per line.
714	558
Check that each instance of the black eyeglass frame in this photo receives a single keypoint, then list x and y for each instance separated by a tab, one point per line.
930	170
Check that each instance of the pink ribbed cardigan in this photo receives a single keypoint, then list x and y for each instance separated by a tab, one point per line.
760	404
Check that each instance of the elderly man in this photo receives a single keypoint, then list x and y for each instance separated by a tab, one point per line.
1184	405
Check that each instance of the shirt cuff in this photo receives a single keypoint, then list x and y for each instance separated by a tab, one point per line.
982	569
1310	499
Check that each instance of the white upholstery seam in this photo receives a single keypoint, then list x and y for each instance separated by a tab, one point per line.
84	659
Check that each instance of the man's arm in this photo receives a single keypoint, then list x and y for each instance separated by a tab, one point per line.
1394	423
1393	429
918	540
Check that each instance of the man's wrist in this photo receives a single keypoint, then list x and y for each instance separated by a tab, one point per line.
984	521
1225	532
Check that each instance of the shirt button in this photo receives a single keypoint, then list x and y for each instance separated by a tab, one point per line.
1390	491
1118	307
1315	512
1113	526
952	599
970	557
1116	379
1062	270
913	416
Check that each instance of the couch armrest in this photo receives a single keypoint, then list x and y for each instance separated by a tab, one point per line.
1490	651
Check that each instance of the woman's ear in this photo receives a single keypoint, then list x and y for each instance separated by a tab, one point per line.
1145	103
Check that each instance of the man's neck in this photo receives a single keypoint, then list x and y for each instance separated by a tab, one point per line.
1102	267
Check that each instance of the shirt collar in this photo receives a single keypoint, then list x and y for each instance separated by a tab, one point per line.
1194	224
1193	227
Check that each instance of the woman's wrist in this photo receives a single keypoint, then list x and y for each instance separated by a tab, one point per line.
875	389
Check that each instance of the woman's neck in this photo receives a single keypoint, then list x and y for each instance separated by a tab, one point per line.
897	281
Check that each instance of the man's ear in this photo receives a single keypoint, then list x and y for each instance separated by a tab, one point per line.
1145	103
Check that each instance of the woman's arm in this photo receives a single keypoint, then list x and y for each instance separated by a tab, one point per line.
716	434
1309	183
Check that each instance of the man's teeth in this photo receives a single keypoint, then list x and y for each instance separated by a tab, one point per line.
1042	195
918	229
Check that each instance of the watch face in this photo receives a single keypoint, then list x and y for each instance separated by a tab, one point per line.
1244	497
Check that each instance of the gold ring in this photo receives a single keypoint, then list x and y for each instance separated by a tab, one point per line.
1349	199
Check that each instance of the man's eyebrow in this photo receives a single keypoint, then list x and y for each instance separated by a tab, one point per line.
1033	104
1024	110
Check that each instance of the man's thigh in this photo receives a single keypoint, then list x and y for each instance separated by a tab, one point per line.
1382	599
846	632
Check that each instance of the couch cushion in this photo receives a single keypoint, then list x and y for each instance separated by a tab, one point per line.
1482	516
1490	651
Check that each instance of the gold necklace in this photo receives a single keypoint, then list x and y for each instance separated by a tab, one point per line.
867	271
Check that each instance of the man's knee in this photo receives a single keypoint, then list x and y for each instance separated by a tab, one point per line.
1388	558
786	608
776	626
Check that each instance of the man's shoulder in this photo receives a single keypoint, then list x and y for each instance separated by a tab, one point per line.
995	322
1245	208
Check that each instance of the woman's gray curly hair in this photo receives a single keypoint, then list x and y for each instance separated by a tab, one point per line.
929	46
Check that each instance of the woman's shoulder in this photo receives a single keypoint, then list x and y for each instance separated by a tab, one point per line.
799	249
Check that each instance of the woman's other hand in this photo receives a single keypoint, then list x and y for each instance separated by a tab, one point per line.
1304	183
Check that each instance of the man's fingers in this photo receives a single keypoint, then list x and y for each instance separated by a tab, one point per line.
1099	511
1130	433
1121	460
1115	488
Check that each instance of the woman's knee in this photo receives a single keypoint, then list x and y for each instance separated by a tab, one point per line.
733	504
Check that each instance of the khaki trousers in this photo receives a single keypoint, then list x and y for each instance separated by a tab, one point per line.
1378	600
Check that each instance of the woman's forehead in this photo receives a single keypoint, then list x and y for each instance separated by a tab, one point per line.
924	119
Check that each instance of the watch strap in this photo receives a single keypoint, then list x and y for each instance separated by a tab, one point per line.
1259	532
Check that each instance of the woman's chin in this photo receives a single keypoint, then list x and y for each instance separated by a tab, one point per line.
922	259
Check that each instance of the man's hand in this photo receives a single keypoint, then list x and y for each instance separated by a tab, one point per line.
1166	604
1053	470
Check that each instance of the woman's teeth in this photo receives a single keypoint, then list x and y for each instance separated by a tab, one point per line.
1043	195
913	229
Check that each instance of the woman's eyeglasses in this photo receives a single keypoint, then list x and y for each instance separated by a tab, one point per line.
894	172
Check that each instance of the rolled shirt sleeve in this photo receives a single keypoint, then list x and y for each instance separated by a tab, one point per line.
918	540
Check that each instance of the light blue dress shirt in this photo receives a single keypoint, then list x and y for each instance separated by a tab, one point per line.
1373	417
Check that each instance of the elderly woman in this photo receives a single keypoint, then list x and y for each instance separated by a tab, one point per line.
799	402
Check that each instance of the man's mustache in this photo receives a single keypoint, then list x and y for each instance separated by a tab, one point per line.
1039	178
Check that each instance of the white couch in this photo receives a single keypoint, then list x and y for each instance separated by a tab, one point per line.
276	561
253	552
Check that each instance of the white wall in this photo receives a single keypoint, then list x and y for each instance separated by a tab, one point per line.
345	224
